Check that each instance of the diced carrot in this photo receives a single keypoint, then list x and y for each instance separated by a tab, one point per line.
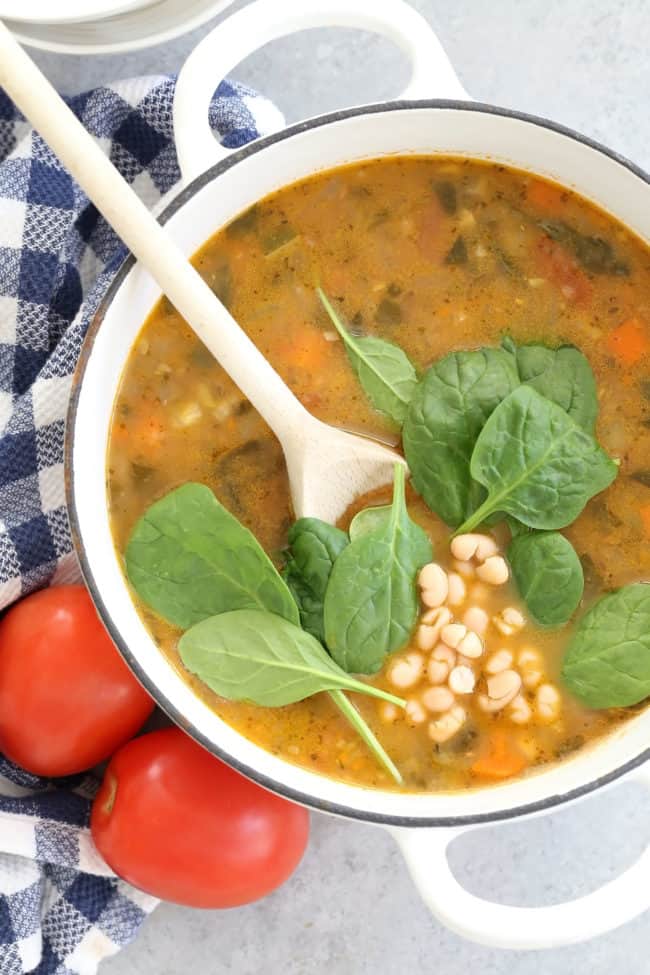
308	349
545	196
630	341
644	511
146	433
559	266
501	759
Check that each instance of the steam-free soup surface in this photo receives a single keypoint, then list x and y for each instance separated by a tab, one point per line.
435	255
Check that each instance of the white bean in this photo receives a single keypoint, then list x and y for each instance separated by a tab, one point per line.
415	712
476	619
452	634
435	619
457	590
465	569
462	661
438	699
531	667
445	727
509	621
463	547
426	637
494	571
471	645
502	688
462	680
479	593
498	662
486	548
407	670
519	710
434	585
505	684
547	703
441	662
389	712
470	546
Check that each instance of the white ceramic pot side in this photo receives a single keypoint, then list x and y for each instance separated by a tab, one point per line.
375	131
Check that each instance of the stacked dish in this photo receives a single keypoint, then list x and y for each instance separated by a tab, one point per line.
104	26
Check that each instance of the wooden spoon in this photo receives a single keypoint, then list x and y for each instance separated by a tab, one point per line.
328	468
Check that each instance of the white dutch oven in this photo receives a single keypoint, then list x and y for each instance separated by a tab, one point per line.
219	185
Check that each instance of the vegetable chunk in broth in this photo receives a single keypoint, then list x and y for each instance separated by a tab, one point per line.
497	328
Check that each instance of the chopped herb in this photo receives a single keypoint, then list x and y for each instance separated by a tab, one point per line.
458	253
278	238
446	193
356	325
381	216
393	290
141	472
388	312
569	745
506	263
219	280
243	224
593	253
201	356
643	477
645	388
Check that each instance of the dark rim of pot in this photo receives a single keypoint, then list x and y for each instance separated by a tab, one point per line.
267	782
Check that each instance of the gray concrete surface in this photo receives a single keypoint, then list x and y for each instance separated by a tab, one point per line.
351	909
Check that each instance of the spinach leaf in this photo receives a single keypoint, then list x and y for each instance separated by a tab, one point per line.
516	528
536	463
595	254
313	548
189	558
446	193
388	312
369	520
446	414
548	574
642	477
371	602
383	369
607	664
564	376
457	253
249	655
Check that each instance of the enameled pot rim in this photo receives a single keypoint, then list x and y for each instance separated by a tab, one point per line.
162	701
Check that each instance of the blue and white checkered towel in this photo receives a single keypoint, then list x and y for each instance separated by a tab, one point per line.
61	909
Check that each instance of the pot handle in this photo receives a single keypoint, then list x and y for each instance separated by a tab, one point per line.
502	926
266	20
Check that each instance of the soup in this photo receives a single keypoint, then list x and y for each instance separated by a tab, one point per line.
438	257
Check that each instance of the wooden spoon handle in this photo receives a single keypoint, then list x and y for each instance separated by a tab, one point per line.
153	247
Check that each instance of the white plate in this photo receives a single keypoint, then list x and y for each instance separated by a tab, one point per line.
157	22
65	11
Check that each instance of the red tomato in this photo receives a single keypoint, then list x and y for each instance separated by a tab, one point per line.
178	823
557	264
67	699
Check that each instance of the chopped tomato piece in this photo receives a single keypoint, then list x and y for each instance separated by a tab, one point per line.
546	196
558	265
430	239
